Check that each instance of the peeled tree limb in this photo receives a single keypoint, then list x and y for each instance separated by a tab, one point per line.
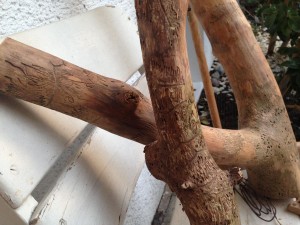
180	156
43	79
271	159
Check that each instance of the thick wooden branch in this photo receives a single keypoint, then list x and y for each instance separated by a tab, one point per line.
43	79
180	156
140	125
28	74
273	166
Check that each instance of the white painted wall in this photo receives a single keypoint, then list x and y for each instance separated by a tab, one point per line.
20	15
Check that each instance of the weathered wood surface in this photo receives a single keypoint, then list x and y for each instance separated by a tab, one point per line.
272	159
46	80
179	156
213	137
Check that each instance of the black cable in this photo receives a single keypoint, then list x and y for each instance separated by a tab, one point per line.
262	207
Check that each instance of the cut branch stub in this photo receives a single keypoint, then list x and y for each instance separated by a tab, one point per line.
43	79
180	156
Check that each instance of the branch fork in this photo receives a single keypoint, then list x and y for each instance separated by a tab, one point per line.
179	150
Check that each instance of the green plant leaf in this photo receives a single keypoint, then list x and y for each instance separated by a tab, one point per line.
294	23
261	8
298	81
293	64
295	37
291	13
283	30
269	16
288	50
292	73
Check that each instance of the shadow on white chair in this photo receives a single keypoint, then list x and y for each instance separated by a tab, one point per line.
55	169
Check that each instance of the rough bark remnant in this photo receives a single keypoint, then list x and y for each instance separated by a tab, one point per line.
46	80
273	160
180	156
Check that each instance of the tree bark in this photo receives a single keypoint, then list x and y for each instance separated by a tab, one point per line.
180	156
43	79
264	144
273	163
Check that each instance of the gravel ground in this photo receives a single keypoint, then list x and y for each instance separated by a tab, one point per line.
224	97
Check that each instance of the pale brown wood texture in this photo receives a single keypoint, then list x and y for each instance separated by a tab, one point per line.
43	79
180	156
273	159
28	74
199	48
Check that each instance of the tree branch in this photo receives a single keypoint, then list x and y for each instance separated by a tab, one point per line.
140	126
209	92
179	156
43	79
272	155
70	93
